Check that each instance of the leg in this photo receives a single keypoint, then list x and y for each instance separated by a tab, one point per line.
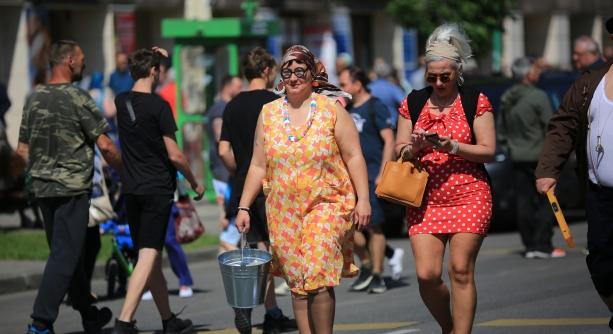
389	251
157	285
147	258
376	247
176	256
599	210
321	307
429	251
270	300
360	247
542	216
463	250
301	312
65	227
148	219
92	247
524	205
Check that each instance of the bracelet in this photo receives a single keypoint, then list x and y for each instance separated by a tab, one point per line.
455	146
244	208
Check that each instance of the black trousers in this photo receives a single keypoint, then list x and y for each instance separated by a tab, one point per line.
599	211
534	215
65	221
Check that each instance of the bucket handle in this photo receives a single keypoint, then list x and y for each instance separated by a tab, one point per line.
243	246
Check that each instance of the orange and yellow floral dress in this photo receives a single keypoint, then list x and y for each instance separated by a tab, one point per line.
309	200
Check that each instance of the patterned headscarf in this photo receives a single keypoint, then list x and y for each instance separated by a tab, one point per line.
318	72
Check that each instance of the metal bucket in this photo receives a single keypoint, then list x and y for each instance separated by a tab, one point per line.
245	281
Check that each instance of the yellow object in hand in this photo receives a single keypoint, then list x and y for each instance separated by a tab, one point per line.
557	211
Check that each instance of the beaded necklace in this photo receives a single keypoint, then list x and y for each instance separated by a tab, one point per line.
288	126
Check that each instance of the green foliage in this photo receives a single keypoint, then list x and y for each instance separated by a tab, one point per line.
479	18
32	245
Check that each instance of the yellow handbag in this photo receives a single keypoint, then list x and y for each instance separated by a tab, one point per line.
403	182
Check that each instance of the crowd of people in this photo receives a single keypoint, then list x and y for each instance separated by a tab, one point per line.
295	166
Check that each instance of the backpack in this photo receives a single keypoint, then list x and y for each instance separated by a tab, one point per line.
417	99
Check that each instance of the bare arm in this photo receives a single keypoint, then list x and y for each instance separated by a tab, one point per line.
255	176
348	140
227	155
216	125
485	141
180	162
109	151
23	150
387	135
407	144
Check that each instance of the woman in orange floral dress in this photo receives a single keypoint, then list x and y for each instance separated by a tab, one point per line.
307	152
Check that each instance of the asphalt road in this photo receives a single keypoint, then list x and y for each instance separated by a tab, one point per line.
515	296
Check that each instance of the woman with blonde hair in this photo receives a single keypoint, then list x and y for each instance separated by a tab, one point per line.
307	151
451	131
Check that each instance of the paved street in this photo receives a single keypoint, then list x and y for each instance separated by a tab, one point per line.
515	296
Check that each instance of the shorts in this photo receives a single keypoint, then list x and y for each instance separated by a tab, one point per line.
230	234
221	188
377	216
258	231
148	219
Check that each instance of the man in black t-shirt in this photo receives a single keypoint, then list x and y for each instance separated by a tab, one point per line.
151	158
235	149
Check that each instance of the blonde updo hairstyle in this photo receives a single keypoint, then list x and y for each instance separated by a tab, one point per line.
449	42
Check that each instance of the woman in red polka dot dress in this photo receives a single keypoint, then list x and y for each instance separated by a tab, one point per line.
457	205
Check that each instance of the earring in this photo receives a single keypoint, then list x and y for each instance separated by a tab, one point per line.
315	84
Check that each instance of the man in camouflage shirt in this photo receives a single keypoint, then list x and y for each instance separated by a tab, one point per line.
59	128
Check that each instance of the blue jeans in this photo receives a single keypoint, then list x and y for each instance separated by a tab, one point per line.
176	256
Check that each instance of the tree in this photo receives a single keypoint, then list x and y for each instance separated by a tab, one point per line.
479	18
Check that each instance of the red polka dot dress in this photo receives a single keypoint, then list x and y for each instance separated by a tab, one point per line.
458	197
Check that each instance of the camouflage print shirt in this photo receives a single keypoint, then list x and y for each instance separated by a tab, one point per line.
60	124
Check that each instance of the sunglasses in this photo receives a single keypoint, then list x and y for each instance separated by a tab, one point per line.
444	78
299	72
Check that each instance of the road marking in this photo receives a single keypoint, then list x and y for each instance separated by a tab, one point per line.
403	331
340	328
372	326
545	322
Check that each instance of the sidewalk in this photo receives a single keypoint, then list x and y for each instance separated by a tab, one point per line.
18	276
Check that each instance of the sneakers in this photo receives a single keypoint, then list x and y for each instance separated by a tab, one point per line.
32	329
176	325
280	325
555	254
122	327
396	263
377	285
282	289
242	320
147	296
363	280
186	292
97	319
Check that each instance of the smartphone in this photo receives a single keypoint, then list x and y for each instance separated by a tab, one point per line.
433	138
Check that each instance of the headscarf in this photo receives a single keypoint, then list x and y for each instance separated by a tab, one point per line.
318	72
443	49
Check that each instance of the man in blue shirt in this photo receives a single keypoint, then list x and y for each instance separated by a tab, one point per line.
377	140
390	94
120	80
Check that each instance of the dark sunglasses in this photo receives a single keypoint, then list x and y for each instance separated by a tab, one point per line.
299	72
444	78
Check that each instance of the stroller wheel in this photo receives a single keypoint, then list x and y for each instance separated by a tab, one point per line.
112	268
